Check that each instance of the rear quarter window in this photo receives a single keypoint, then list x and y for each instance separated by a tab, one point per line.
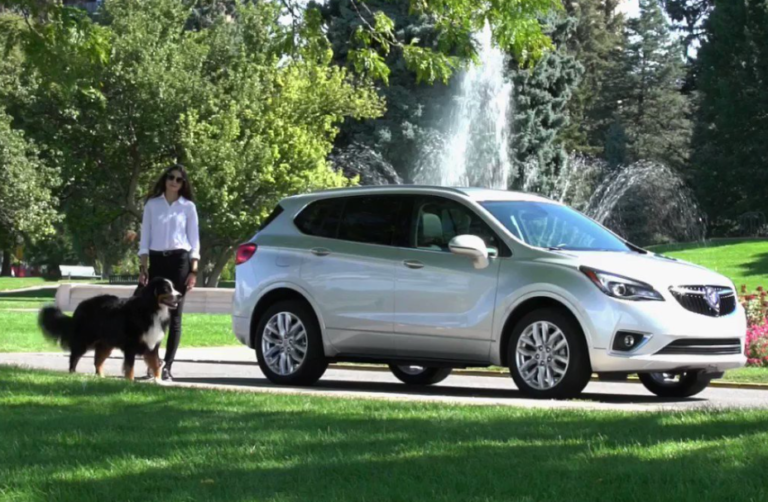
274	214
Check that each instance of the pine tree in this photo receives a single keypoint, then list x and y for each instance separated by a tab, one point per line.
598	34
730	161
643	90
541	97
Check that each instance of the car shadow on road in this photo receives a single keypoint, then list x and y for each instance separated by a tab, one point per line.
340	386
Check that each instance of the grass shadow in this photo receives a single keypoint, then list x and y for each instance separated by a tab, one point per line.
33	293
758	266
437	390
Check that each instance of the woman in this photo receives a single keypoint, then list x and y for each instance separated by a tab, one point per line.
170	242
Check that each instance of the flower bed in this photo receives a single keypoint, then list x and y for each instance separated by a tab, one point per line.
756	306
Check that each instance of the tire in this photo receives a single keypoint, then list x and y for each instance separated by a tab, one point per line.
283	366
425	376
689	383
564	379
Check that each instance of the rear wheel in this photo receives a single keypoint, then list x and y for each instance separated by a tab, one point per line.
419	375
547	355
289	347
685	384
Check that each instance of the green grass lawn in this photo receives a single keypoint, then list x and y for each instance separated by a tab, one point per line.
78	438
747	375
7	283
21	334
742	261
18	318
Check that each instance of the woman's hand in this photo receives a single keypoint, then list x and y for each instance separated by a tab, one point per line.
191	281
143	278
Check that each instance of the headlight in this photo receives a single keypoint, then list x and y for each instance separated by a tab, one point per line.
621	287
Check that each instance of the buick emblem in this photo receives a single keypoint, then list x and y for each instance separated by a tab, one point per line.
712	296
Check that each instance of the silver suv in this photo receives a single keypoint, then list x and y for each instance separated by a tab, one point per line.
426	279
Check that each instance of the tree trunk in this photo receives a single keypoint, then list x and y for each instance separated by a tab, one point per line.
6	270
221	260
106	264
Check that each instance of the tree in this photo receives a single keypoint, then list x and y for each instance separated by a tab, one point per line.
144	83
27	207
597	36
643	93
688	17
515	29
136	90
415	109
265	127
730	156
541	97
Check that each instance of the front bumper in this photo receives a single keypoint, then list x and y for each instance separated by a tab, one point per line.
664	323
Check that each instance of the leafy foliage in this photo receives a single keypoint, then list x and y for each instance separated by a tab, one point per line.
27	206
514	24
251	109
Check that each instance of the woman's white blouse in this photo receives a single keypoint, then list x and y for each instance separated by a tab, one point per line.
166	227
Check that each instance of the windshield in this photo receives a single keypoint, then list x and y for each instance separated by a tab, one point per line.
548	225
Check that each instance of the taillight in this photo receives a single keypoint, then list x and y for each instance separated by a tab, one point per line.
244	252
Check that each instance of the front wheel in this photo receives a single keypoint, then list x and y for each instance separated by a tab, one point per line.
547	355
685	384
289	347
419	375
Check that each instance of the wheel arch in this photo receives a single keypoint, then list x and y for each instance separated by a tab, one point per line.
528	305
275	295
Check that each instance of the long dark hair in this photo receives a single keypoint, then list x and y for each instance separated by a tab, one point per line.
186	187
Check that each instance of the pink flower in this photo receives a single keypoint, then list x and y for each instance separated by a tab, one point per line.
756	346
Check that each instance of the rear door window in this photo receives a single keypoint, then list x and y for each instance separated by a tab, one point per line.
372	219
321	218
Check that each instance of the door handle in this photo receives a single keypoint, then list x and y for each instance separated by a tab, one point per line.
413	264
320	251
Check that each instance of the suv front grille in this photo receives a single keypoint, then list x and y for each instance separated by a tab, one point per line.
703	347
694	298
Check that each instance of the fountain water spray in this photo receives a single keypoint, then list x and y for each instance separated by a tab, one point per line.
475	151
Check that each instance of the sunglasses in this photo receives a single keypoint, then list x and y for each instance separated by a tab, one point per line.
178	179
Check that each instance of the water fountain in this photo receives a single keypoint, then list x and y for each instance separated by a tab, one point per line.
475	150
647	202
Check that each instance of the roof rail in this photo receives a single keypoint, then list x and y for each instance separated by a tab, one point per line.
389	187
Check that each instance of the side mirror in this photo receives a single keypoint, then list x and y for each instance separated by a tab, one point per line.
472	246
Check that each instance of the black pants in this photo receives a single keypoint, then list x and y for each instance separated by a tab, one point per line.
174	267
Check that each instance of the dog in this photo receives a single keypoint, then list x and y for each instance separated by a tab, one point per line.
103	323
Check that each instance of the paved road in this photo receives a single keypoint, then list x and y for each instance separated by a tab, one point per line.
234	368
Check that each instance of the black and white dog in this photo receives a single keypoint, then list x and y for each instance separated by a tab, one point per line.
135	325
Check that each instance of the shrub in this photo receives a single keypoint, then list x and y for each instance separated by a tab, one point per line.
757	345
755	304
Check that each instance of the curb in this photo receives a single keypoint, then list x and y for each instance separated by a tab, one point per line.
464	372
480	373
26	290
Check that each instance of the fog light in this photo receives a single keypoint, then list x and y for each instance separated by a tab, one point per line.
624	341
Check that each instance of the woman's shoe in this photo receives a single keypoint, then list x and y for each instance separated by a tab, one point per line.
166	375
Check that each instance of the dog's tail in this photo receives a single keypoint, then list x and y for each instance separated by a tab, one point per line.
56	325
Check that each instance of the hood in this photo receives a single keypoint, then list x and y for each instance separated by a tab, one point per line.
659	272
